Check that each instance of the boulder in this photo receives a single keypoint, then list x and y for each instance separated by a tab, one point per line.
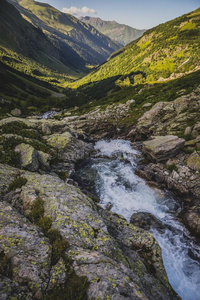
28	157
192	219
44	159
16	112
145	221
161	148
146	105
193	161
188	130
69	147
45	129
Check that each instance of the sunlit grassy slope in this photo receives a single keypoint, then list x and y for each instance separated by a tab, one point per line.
167	51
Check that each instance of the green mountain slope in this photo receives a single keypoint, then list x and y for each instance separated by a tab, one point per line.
77	40
165	52
27	49
120	33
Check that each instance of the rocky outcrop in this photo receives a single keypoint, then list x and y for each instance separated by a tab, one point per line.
161	148
36	144
76	246
102	123
170	117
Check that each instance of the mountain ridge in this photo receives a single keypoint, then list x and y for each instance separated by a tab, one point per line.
168	50
68	33
121	33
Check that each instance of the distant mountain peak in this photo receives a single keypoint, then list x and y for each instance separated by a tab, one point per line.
121	33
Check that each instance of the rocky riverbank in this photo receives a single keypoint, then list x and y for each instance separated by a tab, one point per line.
56	242
170	133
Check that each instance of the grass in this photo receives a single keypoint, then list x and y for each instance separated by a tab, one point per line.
17	183
160	55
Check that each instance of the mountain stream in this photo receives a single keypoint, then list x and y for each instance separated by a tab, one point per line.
119	187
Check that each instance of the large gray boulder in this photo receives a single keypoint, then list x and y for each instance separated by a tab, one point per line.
161	148
28	157
69	147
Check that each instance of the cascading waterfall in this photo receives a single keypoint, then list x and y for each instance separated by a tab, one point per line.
118	186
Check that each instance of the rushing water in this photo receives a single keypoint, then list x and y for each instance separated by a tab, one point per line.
48	114
118	186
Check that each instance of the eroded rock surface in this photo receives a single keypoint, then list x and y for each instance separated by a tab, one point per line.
109	256
161	148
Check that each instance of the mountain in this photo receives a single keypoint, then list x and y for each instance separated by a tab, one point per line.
167	51
120	33
23	46
80	42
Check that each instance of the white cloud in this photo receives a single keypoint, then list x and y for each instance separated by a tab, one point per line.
79	11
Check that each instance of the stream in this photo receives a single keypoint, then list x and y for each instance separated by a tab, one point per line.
119	187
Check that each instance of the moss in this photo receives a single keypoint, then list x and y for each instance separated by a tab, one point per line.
5	265
17	183
63	175
58	245
75	287
7	153
172	167
14	127
37	211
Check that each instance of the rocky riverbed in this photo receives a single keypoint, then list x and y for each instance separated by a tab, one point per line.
57	242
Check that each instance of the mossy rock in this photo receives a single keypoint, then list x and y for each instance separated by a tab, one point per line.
193	161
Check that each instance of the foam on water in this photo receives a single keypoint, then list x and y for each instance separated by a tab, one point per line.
48	114
118	185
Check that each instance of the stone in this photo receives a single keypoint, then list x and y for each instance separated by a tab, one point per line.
146	105
146	221
69	147
188	131
28	157
193	161
192	219
44	159
16	112
161	148
45	129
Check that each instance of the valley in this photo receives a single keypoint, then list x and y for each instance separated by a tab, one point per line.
99	158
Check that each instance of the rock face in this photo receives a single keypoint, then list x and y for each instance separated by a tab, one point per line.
170	118
25	252
161	148
75	247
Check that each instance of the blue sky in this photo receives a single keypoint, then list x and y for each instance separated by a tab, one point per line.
136	13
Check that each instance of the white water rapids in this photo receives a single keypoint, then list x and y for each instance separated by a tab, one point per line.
117	185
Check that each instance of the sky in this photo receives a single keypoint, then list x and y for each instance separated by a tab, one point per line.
141	14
